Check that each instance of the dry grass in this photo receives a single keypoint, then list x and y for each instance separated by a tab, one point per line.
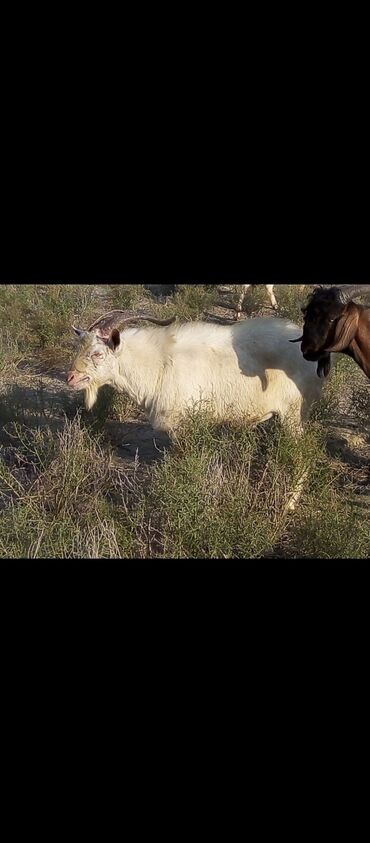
64	496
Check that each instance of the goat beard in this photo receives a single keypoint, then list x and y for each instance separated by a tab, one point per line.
91	394
323	366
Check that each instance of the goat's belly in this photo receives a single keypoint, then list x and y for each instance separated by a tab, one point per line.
232	395
225	398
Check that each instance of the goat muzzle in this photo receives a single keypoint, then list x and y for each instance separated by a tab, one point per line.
76	380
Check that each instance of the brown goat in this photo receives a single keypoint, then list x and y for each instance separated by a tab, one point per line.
334	323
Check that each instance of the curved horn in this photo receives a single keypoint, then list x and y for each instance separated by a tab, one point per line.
79	331
351	291
298	340
114	318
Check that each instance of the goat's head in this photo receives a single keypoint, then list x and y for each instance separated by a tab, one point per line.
100	344
330	320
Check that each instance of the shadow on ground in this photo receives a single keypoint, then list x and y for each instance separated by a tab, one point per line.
136	439
48	406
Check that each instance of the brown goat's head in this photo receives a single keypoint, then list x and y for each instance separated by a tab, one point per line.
330	322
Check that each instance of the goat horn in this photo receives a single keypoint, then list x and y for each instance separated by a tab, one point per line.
120	317
79	331
298	340
351	291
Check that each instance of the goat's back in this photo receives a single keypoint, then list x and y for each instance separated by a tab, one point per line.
263	337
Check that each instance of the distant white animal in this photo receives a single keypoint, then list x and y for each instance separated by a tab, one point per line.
270	292
167	289
247	370
243	290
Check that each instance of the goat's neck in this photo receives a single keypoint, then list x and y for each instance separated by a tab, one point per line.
138	365
359	347
360	354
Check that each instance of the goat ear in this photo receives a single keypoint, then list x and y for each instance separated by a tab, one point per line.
114	339
345	331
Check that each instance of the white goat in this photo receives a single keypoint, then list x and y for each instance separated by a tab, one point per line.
247	370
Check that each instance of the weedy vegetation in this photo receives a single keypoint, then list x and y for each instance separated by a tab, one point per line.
217	491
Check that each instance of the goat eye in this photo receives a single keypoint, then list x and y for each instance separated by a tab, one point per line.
96	355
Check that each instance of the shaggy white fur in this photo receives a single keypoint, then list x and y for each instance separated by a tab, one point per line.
245	370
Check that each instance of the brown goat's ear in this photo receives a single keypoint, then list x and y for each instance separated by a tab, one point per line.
114	339
345	331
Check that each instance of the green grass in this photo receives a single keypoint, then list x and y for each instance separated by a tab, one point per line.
291	300
56	496
221	492
36	320
225	490
122	296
